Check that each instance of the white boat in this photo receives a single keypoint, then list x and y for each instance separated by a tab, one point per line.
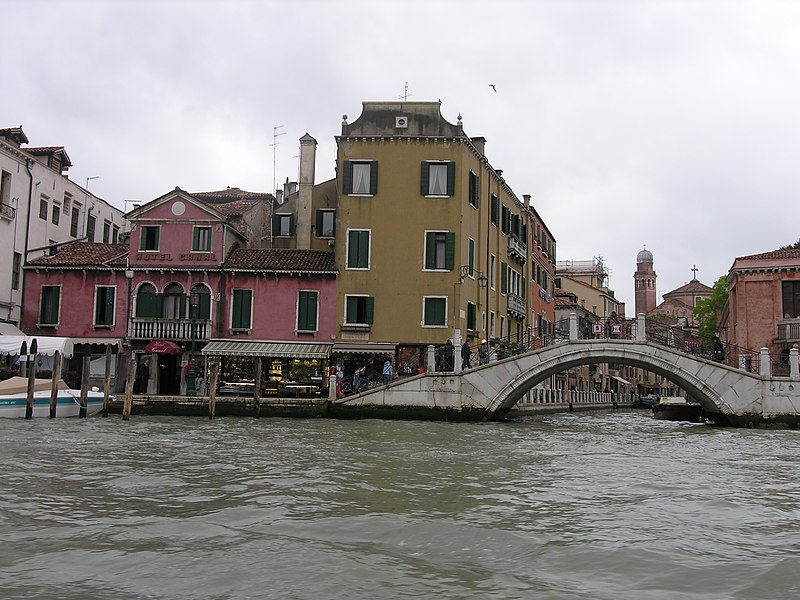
14	399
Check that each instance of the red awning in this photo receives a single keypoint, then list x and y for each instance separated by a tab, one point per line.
163	347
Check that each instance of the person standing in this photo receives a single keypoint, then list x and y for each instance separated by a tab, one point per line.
449	355
387	370
466	354
483	353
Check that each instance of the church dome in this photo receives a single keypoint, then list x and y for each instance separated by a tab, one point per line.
644	256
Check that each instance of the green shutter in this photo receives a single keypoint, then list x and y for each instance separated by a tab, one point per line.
430	250
350	310
318	227
182	306
109	306
302	307
241	309
369	310
451	178
373	177
148	304
424	180
363	249
347	178
307	311
196	238
471	257
450	251
204	306
503	278
352	248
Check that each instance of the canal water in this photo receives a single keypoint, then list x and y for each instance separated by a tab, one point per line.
606	505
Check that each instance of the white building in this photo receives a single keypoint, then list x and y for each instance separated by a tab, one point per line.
40	208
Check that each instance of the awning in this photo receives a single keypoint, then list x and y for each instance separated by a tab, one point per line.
10	329
362	348
99	341
621	380
11	344
266	348
163	347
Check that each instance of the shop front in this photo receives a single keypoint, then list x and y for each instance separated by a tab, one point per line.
287	370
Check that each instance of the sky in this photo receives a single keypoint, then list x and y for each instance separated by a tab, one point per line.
671	125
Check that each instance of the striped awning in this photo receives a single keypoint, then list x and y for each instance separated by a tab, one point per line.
362	348
265	348
621	380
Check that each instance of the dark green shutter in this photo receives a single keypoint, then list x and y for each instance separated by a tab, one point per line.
373	177
181	306
204	306
363	249
196	238
241	309
450	251
369	309
347	178
302	307
503	278
109	306
148	304
451	178
352	249
430	250
471	256
425	177
350	310
276	225
307	311
319	223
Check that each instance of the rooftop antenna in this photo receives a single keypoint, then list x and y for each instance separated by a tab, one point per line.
405	95
274	145
88	179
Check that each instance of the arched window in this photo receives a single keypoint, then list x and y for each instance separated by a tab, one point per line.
174	302
148	302
204	301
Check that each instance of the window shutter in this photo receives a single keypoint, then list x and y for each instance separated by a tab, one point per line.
182	301
424	180
148	304
373	177
347	177
350	311
503	278
55	304
450	251
363	249
291	224
311	311
471	257
318	227
352	249
110	301
204	306
451	178
369	310
276	225
196	239
430	250
302	308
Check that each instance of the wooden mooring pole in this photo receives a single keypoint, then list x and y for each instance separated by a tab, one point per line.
131	375
107	381
56	377
87	361
212	392
257	389
31	379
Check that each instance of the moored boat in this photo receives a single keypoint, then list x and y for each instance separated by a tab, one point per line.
677	408
14	399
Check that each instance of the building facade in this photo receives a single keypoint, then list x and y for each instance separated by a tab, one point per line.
41	208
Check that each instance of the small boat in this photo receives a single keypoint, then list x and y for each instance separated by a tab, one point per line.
14	399
677	408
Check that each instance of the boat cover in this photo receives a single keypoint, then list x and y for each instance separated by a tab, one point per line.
19	385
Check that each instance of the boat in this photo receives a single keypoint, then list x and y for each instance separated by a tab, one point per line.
678	408
14	399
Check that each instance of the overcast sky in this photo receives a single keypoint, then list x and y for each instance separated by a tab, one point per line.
661	123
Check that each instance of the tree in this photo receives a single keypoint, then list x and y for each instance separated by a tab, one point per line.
794	246
707	310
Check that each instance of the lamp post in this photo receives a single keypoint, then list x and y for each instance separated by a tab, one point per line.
194	299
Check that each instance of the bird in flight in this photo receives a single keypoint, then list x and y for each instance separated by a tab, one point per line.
491	85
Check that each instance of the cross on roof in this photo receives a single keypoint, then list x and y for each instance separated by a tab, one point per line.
694	271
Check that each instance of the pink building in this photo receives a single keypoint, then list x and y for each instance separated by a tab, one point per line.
764	302
190	284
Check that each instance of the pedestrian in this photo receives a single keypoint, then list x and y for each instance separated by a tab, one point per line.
199	384
483	353
466	354
387	370
449	355
357	380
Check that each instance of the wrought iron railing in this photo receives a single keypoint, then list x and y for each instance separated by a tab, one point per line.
7	212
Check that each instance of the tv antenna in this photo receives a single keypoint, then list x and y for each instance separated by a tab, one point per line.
405	95
274	145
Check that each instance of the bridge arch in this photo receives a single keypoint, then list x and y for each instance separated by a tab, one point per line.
688	372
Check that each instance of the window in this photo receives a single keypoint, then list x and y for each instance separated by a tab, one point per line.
67	202
439	250
173	302
326	223
114	234
472	315
434	311
438	178
503	277
201	239
203	311
106	232
49	304
73	226
104	296
491	323
307	310
502	326
473	189
791	299
283	225
43	208
492	269
148	240
359	310
242	309
471	256
90	225
5	187
56	214
15	271
505	220
495	210
148	302
358	249
360	178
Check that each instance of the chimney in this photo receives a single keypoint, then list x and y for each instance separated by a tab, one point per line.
308	153
527	199
479	143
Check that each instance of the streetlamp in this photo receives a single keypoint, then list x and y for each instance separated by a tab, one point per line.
194	300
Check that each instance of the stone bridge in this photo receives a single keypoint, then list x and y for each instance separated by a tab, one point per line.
730	396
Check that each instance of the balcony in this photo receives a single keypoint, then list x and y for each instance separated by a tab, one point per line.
517	249
516	305
789	330
7	212
142	328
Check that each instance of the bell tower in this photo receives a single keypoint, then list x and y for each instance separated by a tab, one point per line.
644	282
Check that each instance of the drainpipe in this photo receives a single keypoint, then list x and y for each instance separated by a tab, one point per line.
28	163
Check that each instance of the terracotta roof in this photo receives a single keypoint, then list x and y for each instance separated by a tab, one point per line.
84	254
281	260
231	195
238	207
793	253
14	133
693	286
